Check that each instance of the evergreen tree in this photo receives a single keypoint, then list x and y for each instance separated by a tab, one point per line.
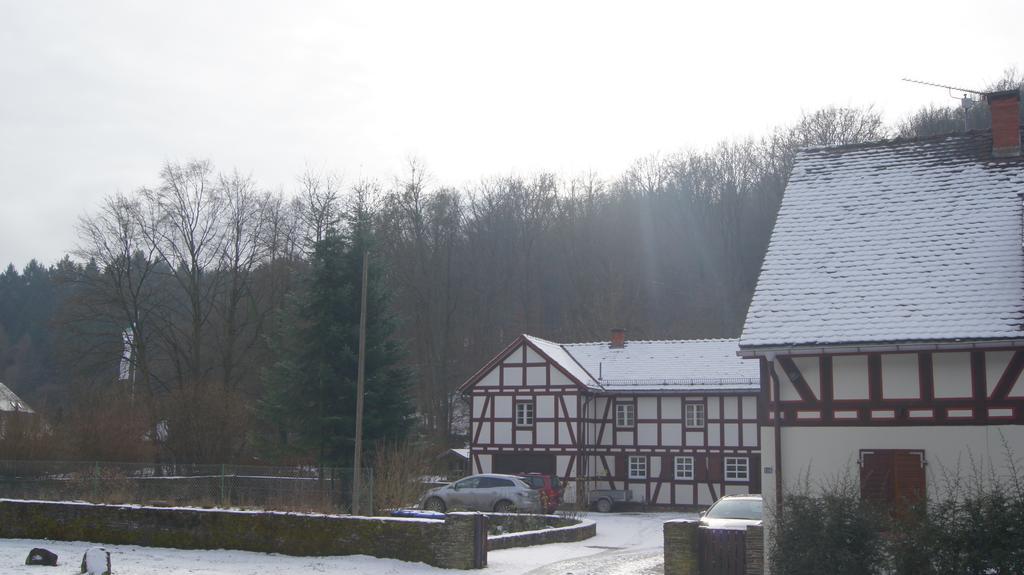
312	386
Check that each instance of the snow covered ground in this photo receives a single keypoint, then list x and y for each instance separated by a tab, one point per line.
626	544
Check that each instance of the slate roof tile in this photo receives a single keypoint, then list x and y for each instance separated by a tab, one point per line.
901	241
645	366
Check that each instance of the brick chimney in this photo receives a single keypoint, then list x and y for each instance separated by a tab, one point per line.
618	338
1005	108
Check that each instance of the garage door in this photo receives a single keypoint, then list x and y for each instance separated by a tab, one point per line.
513	463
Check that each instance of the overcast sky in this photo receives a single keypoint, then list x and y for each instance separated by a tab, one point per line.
96	96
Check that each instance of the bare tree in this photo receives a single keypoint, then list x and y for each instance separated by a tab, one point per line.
182	222
246	222
113	238
833	126
423	237
319	196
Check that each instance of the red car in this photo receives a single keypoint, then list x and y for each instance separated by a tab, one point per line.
550	489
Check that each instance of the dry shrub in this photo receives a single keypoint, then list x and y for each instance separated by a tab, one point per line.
105	424
206	422
398	473
25	436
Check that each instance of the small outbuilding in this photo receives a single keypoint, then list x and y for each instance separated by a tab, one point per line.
14	412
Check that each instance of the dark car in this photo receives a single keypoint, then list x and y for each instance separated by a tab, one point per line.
550	489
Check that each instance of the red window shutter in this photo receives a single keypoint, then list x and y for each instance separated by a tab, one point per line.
620	466
892	477
876	476
668	464
716	467
909	484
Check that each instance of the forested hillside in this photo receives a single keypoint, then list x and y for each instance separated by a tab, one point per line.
208	270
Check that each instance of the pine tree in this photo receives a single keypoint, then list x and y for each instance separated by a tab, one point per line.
312	386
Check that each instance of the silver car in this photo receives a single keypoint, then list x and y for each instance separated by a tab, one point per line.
489	492
734	512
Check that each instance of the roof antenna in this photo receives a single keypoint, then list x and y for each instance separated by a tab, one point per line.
965	101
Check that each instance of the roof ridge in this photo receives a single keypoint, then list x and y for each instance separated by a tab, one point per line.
897	141
541	339
629	341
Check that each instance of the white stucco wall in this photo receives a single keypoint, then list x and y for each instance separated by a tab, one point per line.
822	453
900	378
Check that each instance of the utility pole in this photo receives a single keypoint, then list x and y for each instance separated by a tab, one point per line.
357	472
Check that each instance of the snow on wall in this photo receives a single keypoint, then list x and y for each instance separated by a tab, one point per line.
449	543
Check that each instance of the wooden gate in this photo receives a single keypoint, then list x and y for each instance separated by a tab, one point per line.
721	551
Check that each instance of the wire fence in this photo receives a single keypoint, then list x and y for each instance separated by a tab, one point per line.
298	488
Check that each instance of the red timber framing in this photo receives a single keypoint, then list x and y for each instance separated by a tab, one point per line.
988	389
576	425
522	373
708	445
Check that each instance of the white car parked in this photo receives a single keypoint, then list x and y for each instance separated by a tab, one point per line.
733	512
488	492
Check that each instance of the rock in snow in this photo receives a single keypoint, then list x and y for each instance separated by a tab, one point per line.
96	561
40	556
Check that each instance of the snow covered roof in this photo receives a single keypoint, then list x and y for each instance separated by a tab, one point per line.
557	353
11	402
646	366
900	241
670	365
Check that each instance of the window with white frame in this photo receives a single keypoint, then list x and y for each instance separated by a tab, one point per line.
637	467
684	467
524	413
737	469
694	415
625	415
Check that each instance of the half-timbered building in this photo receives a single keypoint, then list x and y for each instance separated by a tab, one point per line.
674	422
887	319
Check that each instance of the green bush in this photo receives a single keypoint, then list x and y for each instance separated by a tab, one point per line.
975	527
830	532
980	531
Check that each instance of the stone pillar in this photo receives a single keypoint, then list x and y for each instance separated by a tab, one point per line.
754	548
681	547
464	545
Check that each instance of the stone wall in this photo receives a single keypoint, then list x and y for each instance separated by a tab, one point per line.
520	530
458	542
681	553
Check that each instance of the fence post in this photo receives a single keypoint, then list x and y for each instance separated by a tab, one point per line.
754	549
95	481
369	485
223	469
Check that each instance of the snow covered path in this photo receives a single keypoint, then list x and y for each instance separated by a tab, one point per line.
626	544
